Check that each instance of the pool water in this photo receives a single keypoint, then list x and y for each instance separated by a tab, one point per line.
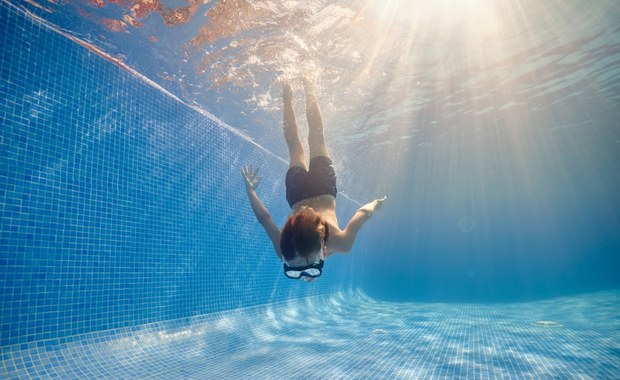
129	249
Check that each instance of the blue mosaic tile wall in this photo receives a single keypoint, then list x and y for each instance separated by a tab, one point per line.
120	206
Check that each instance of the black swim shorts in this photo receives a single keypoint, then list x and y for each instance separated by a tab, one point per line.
320	179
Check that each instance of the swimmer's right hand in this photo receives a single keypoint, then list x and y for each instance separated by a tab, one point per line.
373	206
379	202
252	180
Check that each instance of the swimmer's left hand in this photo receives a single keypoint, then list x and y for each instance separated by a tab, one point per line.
252	180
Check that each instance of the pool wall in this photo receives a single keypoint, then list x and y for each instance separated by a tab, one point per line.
119	205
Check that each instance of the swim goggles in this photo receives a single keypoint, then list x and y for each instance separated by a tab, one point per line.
313	270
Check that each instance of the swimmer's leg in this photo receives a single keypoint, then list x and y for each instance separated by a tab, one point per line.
295	149
316	139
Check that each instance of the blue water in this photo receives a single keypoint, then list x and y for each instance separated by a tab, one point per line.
129	250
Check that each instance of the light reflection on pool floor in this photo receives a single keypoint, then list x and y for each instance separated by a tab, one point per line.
350	336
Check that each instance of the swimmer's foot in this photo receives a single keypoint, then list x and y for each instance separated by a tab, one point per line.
308	85
287	92
312	107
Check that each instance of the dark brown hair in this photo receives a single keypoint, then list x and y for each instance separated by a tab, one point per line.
302	234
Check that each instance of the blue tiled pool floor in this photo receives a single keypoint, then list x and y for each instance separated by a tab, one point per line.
350	336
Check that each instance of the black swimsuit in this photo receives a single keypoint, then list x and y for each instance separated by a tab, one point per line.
320	179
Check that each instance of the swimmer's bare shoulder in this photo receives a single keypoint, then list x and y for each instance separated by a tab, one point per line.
342	241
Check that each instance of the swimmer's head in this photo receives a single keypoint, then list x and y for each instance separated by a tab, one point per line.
303	237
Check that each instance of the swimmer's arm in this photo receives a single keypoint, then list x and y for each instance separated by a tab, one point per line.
264	218
361	216
252	180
